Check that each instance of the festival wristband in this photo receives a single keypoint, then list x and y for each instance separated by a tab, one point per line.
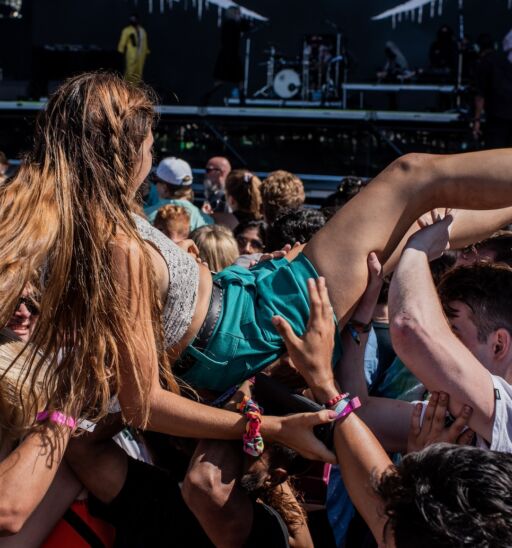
345	407
56	417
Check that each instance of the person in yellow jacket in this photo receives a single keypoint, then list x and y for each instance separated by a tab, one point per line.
133	44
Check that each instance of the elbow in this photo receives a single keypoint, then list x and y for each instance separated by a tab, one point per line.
12	518
202	486
405	331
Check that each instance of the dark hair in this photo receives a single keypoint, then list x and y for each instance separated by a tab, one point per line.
294	226
3	158
347	189
486	289
260	225
440	266
499	243
449	495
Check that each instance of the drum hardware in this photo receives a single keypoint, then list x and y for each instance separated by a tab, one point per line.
267	89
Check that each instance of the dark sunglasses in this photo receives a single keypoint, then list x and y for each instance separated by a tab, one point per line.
210	169
242	241
31	305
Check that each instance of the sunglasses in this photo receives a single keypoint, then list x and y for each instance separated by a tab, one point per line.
30	304
256	244
210	169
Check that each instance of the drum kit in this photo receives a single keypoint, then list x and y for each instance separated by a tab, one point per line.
315	75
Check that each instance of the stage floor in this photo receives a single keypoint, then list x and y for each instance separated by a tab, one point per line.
279	112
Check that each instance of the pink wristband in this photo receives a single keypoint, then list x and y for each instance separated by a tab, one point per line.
352	405
56	417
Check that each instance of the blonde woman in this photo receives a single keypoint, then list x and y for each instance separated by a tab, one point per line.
120	298
217	246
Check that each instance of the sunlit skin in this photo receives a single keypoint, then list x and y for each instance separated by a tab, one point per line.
217	170
463	327
22	322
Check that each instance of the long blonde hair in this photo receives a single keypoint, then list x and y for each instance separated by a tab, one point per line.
18	406
70	199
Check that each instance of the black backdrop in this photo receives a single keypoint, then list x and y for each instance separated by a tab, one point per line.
183	48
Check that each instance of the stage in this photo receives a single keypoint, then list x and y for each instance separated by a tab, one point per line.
304	139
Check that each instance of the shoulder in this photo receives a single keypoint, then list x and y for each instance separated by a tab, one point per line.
125	250
501	439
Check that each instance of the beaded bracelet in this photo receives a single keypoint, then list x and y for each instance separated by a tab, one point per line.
333	401
253	442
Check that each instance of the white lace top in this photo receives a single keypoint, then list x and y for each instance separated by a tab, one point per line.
183	282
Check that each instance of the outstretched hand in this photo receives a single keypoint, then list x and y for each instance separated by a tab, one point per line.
297	433
434	428
434	236
312	352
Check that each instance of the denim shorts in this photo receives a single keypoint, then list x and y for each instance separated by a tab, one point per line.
244	340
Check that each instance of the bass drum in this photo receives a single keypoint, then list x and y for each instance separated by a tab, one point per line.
287	84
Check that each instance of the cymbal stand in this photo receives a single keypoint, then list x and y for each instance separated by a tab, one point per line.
460	58
268	88
306	53
247	64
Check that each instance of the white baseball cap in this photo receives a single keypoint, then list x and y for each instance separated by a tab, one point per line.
174	172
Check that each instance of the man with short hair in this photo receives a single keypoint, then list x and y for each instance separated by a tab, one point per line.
465	349
216	172
173	178
281	191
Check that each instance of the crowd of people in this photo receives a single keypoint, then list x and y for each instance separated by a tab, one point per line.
240	368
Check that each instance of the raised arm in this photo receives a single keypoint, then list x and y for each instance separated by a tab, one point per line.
388	419
423	338
360	455
468	227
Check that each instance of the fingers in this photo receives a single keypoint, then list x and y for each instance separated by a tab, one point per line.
315	301
456	430
324	298
440	413
374	268
314	419
416	420
285	330
429	412
466	438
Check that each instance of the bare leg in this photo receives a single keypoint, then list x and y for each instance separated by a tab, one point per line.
378	217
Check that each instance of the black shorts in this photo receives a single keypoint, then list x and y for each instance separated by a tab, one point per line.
149	511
